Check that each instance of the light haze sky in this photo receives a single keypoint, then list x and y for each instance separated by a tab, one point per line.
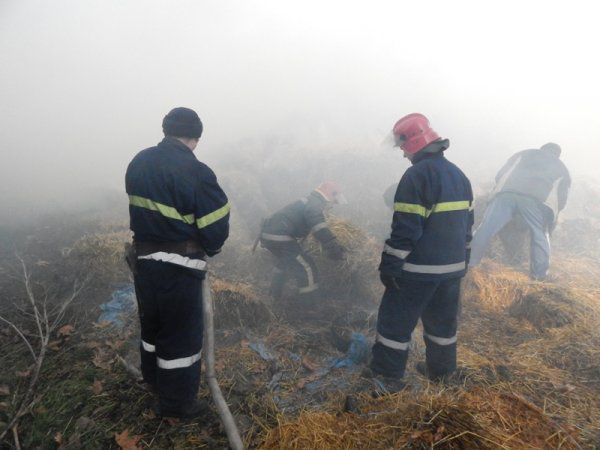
84	84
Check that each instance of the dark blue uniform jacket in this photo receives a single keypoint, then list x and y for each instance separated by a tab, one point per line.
433	216
300	218
174	197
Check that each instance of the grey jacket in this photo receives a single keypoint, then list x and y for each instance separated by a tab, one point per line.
536	173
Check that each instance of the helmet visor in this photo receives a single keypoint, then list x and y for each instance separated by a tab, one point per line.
340	199
399	140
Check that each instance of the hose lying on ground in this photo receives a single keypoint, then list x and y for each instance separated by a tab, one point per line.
233	435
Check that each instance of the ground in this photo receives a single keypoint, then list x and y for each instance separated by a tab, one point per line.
530	352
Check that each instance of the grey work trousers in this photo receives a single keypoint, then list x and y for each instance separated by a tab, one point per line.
499	212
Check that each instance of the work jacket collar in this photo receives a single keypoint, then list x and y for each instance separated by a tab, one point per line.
435	149
175	144
316	194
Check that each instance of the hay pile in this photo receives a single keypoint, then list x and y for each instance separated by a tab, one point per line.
548	307
356	276
238	305
478	419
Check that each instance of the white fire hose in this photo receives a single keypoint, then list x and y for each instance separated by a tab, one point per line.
233	435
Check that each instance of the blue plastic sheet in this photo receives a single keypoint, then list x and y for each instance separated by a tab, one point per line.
262	350
357	353
122	302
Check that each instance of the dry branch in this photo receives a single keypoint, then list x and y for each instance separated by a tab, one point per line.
46	324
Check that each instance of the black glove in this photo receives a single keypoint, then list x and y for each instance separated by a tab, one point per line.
389	281
333	250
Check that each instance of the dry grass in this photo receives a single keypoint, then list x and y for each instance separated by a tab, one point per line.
530	353
483	418
238	305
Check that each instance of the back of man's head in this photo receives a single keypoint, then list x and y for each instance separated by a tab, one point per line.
551	147
182	123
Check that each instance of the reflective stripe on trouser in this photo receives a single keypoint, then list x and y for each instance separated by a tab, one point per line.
502	210
436	303
171	323
294	263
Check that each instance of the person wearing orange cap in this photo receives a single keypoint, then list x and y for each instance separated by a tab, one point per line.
424	258
282	232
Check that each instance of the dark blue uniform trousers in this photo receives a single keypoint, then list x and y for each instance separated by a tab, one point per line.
170	309
292	262
437	304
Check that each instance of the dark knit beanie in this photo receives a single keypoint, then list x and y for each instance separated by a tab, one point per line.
182	122
551	147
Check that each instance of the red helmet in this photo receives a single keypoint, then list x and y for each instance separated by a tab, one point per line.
331	192
412	133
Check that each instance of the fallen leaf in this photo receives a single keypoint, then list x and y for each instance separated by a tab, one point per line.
245	343
115	345
58	438
439	434
23	373
101	360
308	364
74	441
416	434
126	442
41	410
65	330
93	344
97	387
566	388
42	263
102	324
83	423
149	414
309	379
4	389
54	345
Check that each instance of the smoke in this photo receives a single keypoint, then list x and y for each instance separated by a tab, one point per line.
84	85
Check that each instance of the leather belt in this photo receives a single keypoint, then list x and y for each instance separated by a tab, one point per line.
181	248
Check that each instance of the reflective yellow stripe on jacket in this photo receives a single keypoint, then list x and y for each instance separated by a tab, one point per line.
413	208
165	210
213	216
172	213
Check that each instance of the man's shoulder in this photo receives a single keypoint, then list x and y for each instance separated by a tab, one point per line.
141	157
147	151
203	171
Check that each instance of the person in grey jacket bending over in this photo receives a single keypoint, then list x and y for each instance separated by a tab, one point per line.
535	185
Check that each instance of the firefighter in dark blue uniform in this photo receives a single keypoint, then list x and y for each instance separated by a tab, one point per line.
425	257
282	231
179	216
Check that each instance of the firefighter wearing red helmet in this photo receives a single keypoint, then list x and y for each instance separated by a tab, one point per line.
282	232
424	258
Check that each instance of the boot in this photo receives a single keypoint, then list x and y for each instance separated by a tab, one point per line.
277	284
383	385
457	376
198	408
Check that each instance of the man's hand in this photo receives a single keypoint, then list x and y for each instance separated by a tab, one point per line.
389	281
